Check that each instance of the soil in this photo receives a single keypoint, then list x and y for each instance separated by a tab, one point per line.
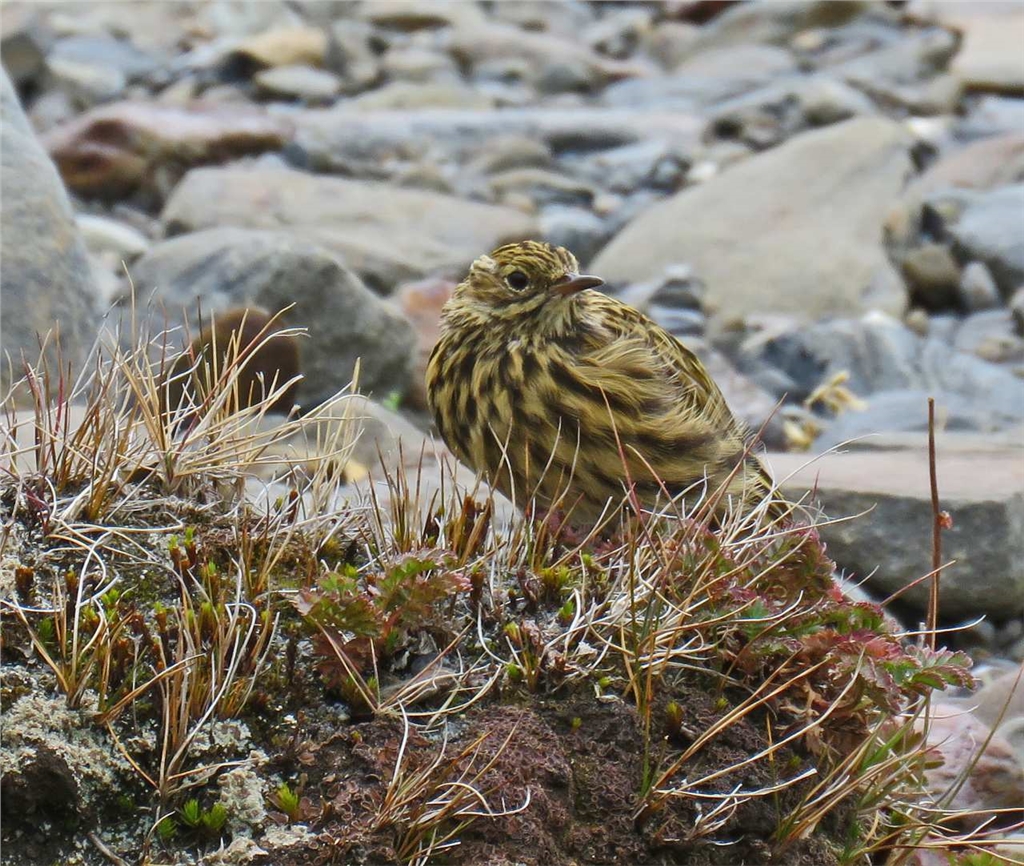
581	762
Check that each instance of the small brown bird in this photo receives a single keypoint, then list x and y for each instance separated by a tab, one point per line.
559	393
227	339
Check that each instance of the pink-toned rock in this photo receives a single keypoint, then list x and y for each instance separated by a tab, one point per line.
422	302
119	148
996	779
983	164
990	58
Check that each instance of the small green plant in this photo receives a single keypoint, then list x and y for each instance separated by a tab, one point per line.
530	656
366	618
167	829
288	801
204	822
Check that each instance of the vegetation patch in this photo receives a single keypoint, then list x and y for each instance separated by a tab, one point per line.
294	678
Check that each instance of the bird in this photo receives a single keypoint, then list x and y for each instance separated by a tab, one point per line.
560	395
240	335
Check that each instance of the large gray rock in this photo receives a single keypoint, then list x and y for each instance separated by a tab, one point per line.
795	229
230	267
46	278
384	234
991	230
981	484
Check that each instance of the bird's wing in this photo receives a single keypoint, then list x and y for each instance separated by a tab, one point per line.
641	355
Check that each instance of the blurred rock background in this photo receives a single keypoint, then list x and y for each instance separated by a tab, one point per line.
824	200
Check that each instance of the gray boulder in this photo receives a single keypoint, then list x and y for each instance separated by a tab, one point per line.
981	484
46	280
991	230
229	267
386	235
795	229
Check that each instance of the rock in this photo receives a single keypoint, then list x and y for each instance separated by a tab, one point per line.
983	164
118	55
991	230
769	115
547	16
421	302
24	42
978	291
992	115
574	228
351	54
652	164
157	28
757	233
539	54
408	63
670	42
906	410
386	235
981	484
753	61
424	176
990	59
541	186
1017	310
511	151
990	334
102	235
55	765
1001	701
409	16
86	85
918	321
907	69
46	279
940	211
932	275
117	149
282	46
878	354
410	95
353	142
298	82
706	78
775	23
233	267
676	287
618	34
994	779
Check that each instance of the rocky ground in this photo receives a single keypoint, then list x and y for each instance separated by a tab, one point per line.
824	200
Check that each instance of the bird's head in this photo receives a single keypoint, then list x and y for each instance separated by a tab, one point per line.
519	279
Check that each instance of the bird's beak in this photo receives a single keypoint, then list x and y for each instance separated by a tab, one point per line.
572	283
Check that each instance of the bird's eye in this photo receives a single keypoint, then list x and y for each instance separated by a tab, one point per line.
517	280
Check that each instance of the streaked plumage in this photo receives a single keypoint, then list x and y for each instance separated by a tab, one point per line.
546	386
